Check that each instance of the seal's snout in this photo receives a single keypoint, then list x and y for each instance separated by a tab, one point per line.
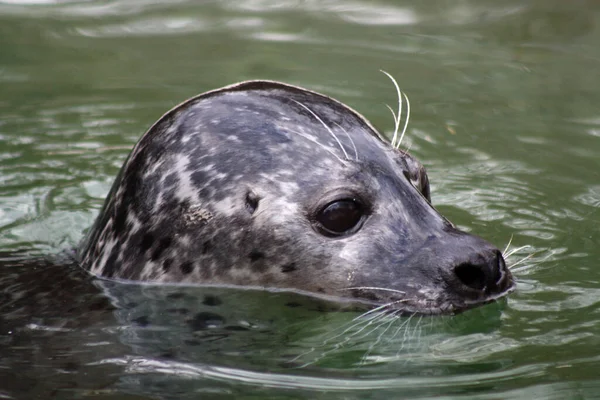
486	274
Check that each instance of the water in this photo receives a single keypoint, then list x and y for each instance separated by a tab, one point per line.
505	117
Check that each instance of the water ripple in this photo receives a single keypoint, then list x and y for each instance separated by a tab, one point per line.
141	365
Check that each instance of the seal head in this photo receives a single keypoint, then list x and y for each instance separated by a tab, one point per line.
271	185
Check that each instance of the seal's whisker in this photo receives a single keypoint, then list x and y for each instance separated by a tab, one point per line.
347	338
513	251
374	310
393	113
325	126
353	324
351	140
374	288
341	344
316	142
397	331
533	263
374	343
396	125
373	315
405	152
366	325
508	252
410	335
417	331
522	260
380	322
398	115
373	320
404	336
522	268
409	332
378	318
407	119
508	245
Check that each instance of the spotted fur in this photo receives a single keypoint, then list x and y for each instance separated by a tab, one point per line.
223	189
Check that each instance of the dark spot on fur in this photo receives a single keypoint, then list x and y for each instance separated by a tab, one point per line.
119	221
187	267
183	205
290	267
199	178
293	304
252	200
205	320
171	179
256	255
176	295
257	263
110	266
166	265
147	242
164	244
142	321
210	300
206	247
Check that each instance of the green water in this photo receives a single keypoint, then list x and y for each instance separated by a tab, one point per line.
505	116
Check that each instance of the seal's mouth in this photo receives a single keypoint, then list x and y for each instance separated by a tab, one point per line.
431	302
449	307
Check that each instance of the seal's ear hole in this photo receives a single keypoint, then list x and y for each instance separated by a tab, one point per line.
340	218
420	181
252	200
425	190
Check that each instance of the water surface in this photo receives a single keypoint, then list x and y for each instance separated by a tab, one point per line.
505	116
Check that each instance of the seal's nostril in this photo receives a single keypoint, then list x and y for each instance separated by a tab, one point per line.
486	273
471	275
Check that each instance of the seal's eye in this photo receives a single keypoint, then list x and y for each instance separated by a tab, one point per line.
340	217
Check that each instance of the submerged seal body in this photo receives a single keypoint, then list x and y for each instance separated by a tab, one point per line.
267	184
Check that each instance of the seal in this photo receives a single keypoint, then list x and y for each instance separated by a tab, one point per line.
269	185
